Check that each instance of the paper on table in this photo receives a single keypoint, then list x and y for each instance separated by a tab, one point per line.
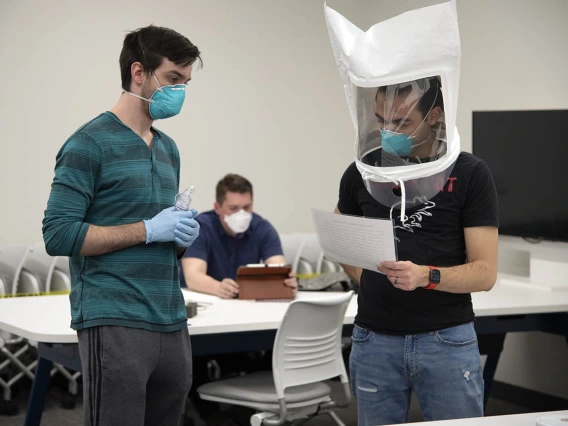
354	240
194	296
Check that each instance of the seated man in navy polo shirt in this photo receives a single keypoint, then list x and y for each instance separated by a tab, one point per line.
230	236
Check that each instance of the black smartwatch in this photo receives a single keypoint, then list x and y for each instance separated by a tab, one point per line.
435	277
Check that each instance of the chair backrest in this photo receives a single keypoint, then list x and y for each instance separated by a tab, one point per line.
60	281
62	263
61	277
309	255
325	265
12	259
304	268
307	347
292	245
311	251
28	283
40	264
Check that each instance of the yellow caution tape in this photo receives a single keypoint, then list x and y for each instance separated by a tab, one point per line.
306	276
49	293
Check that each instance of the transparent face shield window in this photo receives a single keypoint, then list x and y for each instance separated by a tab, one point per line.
400	124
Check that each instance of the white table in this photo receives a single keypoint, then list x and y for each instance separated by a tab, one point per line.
514	420
47	318
237	325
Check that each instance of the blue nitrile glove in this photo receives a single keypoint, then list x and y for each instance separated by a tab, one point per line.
187	230
161	227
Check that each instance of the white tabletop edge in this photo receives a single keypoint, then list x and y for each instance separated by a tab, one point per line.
47	318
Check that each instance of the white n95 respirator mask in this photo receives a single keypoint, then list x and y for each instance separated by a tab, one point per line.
238	222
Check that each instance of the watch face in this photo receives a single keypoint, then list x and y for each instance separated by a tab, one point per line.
435	276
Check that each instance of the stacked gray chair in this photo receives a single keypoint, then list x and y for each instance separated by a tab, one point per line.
292	245
61	277
14	349
52	275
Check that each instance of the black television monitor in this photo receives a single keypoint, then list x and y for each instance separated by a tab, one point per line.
527	153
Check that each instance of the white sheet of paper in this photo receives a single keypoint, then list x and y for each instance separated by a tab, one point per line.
353	240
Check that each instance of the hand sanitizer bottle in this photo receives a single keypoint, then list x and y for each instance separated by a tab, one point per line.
183	199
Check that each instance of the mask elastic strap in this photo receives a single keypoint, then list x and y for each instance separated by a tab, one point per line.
403	201
426	116
144	99
421	143
160	86
139	97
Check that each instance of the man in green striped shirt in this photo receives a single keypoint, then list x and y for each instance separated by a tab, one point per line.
110	210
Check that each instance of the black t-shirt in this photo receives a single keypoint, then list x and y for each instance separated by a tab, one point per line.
433	234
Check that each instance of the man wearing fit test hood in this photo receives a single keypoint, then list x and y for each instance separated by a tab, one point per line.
110	210
414	326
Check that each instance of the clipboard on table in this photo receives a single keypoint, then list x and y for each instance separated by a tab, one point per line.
261	281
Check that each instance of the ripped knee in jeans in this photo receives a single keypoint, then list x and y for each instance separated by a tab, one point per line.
366	389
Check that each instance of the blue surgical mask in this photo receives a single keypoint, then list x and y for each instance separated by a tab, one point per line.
400	143
396	143
166	101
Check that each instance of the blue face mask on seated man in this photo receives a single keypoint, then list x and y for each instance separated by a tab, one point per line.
166	101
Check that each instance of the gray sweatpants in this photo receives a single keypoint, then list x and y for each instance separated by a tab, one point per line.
134	377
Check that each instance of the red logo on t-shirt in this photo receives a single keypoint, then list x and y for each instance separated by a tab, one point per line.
450	184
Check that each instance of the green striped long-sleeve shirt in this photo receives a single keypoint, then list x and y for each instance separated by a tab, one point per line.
105	175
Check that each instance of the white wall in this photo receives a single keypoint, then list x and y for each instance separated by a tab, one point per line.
269	103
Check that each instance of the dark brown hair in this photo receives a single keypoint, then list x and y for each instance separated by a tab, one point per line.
150	45
432	94
232	183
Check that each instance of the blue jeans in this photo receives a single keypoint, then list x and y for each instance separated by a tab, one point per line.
442	367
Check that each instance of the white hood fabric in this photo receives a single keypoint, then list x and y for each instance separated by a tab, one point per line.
418	44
